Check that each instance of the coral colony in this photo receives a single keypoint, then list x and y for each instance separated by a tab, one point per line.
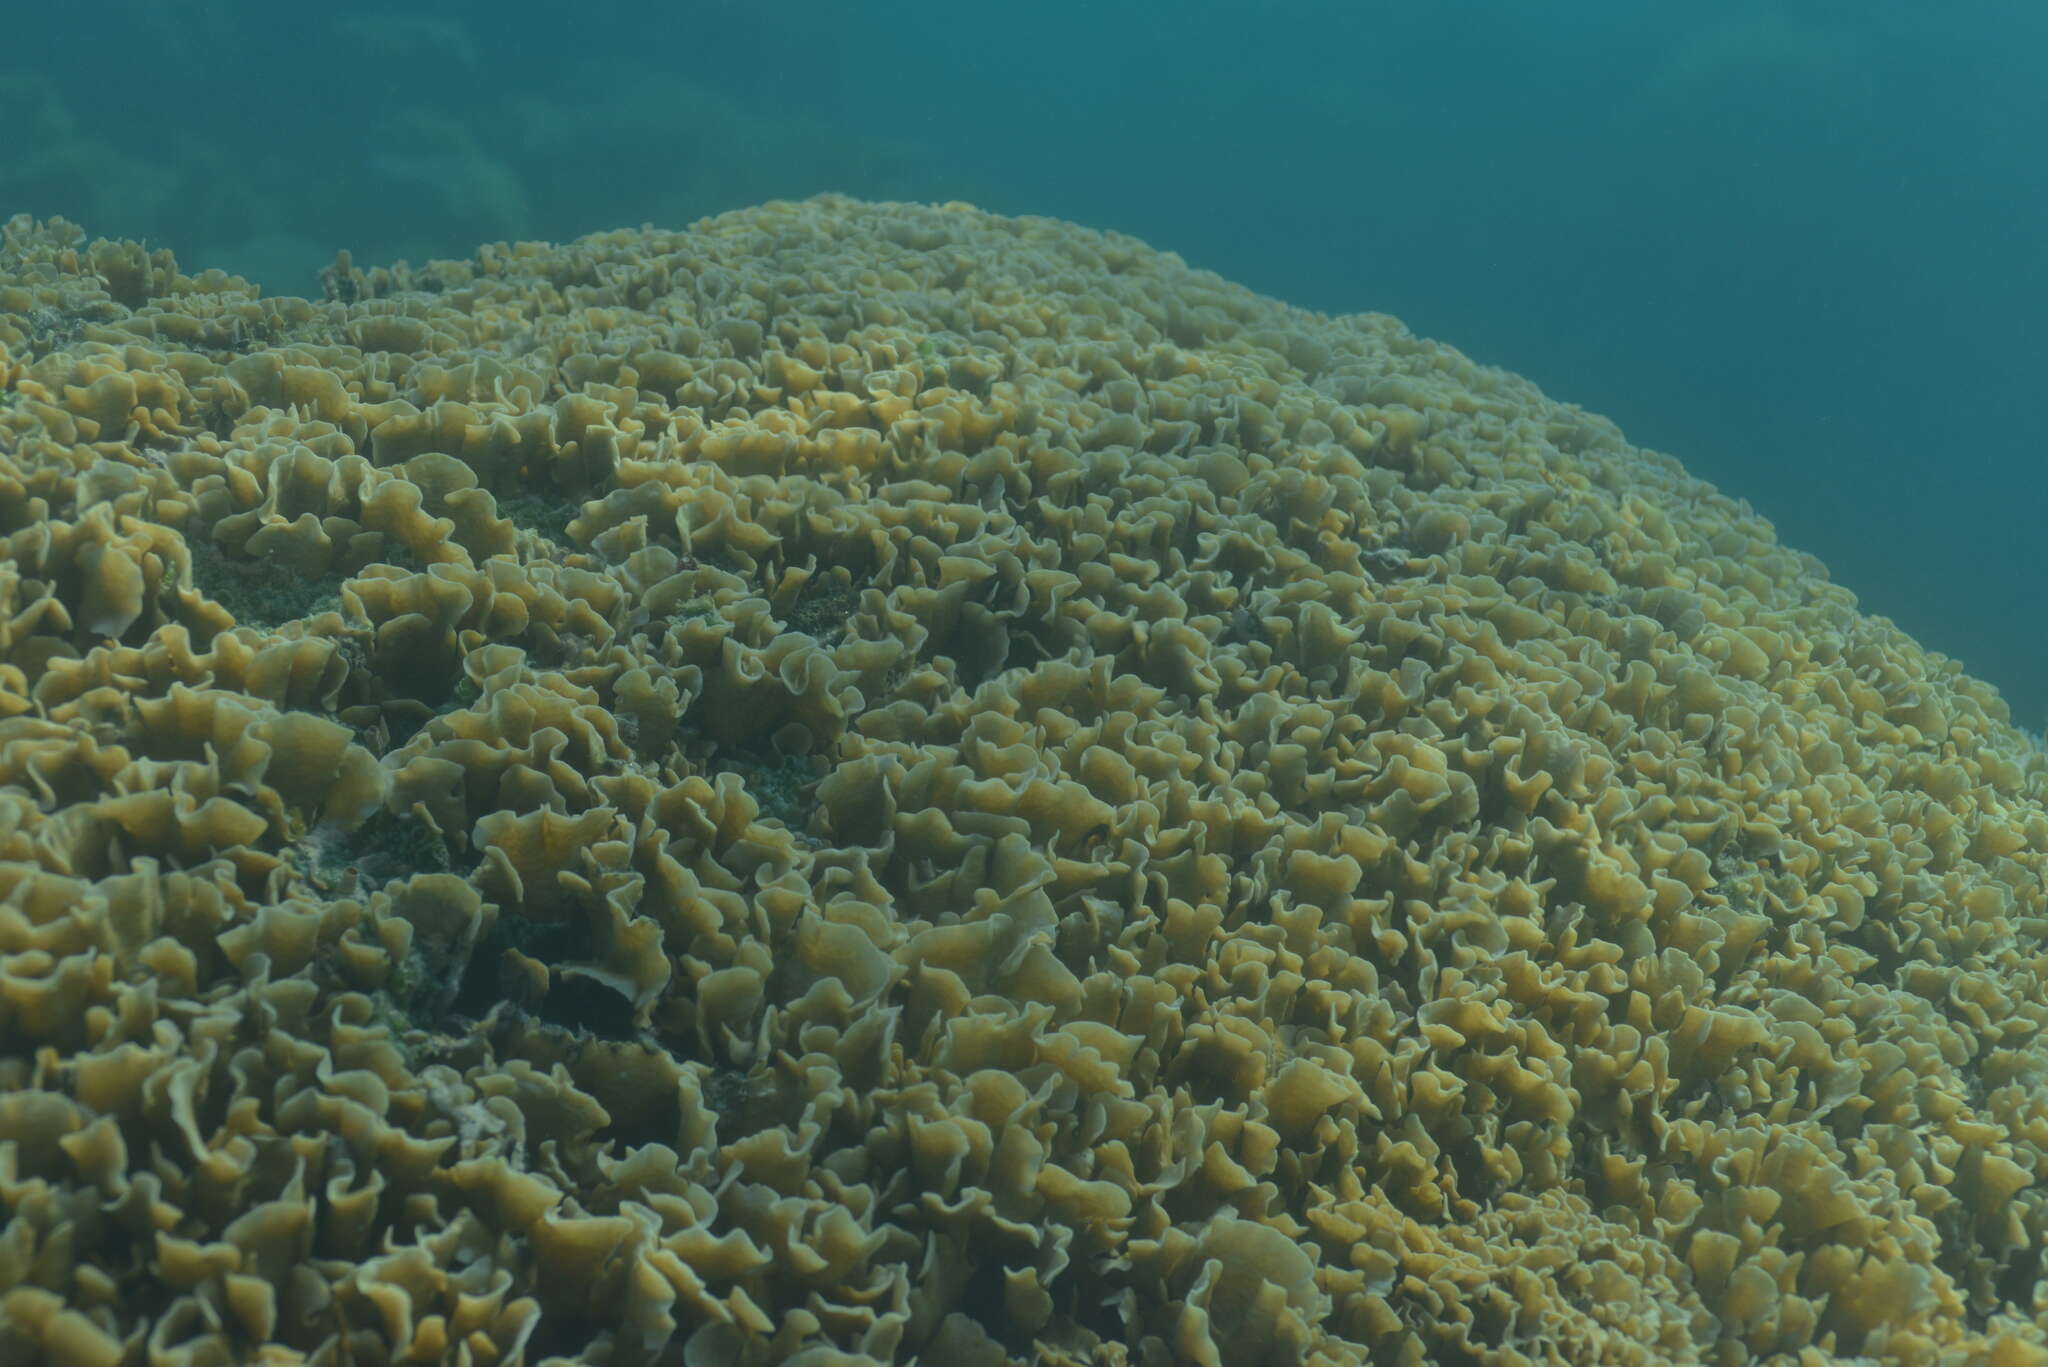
868	782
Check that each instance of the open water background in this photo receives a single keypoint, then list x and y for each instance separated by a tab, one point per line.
1802	246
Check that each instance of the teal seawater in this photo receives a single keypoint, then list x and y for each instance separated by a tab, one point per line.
1804	248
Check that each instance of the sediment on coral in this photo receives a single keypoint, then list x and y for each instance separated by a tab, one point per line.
867	783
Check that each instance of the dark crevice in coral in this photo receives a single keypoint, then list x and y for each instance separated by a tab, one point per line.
572	1001
575	1002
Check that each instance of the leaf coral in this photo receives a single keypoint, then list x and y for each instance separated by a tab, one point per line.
868	783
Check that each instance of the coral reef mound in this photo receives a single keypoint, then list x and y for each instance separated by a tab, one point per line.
872	783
